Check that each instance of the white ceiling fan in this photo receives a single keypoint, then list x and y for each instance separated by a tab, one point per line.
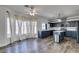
31	10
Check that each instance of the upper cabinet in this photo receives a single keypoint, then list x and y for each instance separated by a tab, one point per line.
67	24
71	24
55	24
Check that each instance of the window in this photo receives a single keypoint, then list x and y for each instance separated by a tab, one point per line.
8	28
17	28
34	27
43	26
22	28
25	28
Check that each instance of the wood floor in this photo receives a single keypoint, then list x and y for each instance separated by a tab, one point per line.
46	45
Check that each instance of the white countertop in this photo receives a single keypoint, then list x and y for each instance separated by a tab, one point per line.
58	31
61	29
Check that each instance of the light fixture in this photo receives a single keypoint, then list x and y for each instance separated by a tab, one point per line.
59	20
30	10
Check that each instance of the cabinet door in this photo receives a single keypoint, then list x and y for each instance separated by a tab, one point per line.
69	33
74	34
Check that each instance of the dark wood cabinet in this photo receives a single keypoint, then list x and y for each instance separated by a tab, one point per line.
43	34
72	34
68	24
78	31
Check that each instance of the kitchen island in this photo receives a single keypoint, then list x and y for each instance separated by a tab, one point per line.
58	36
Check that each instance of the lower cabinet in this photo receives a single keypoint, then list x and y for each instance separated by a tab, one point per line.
72	34
43	34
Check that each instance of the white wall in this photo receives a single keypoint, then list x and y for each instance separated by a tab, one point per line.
3	40
3	27
40	21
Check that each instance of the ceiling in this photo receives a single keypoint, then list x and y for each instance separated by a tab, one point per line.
49	10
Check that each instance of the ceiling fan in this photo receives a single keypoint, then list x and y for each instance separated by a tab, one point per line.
30	10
